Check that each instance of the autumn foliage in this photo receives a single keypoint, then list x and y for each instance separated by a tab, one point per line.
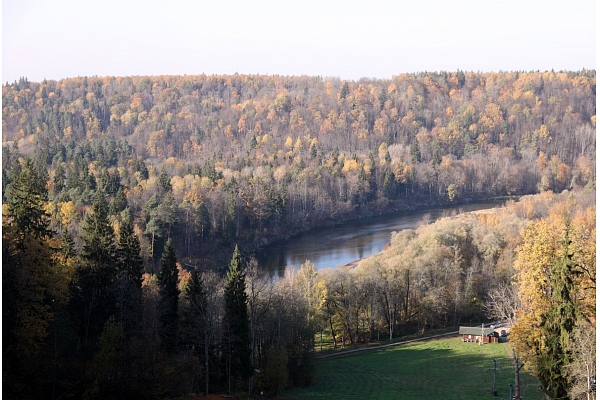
125	167
209	159
556	277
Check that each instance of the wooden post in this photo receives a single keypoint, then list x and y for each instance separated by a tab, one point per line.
482	333
495	391
517	389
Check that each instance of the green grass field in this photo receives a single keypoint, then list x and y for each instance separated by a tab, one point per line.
437	369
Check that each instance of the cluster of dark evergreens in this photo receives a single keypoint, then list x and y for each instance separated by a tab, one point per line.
88	323
213	160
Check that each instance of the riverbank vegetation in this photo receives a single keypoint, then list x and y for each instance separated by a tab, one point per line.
111	185
530	263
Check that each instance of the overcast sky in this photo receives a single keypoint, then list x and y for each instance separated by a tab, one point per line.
347	39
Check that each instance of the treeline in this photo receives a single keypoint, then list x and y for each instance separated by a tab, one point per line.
89	323
213	160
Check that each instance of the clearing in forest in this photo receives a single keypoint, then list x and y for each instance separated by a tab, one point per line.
439	369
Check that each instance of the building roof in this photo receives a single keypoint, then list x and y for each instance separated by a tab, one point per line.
474	330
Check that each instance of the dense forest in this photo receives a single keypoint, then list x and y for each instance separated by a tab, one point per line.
111	186
213	160
89	323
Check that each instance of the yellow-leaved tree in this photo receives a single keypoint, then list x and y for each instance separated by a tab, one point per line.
555	274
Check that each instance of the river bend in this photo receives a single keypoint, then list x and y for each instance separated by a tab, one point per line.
342	244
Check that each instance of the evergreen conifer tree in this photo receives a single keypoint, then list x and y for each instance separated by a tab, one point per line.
194	317
415	152
93	299
67	245
164	181
128	254
237	321
98	235
169	297
26	197
130	269
558	324
390	188
31	283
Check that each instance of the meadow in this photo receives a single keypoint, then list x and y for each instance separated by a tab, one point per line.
437	369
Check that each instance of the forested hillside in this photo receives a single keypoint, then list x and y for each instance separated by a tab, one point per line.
213	160
109	185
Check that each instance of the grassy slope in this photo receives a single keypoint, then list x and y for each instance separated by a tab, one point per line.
438	369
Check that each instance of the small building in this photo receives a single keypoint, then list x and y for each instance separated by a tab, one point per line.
473	334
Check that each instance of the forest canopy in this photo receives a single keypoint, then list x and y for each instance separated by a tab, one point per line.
114	188
213	160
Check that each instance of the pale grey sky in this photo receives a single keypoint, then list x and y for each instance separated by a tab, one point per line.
347	39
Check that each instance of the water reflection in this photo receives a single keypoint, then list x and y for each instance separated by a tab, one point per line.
343	244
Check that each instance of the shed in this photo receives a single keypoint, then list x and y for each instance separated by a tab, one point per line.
473	334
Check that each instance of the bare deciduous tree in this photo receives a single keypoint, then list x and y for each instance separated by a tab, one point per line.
583	368
502	302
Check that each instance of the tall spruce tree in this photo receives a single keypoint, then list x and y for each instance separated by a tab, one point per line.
558	324
202	222
67	245
129	279
194	318
93	299
237	322
98	235
128	254
169	298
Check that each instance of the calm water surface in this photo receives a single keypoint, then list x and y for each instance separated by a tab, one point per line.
342	244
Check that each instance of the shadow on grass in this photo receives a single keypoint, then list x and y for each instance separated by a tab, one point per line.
441	369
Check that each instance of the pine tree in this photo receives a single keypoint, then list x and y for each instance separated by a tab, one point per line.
105	369
437	153
202	221
195	296
59	178
119	203
169	297
237	322
345	90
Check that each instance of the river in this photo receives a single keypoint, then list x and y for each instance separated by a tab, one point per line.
345	243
